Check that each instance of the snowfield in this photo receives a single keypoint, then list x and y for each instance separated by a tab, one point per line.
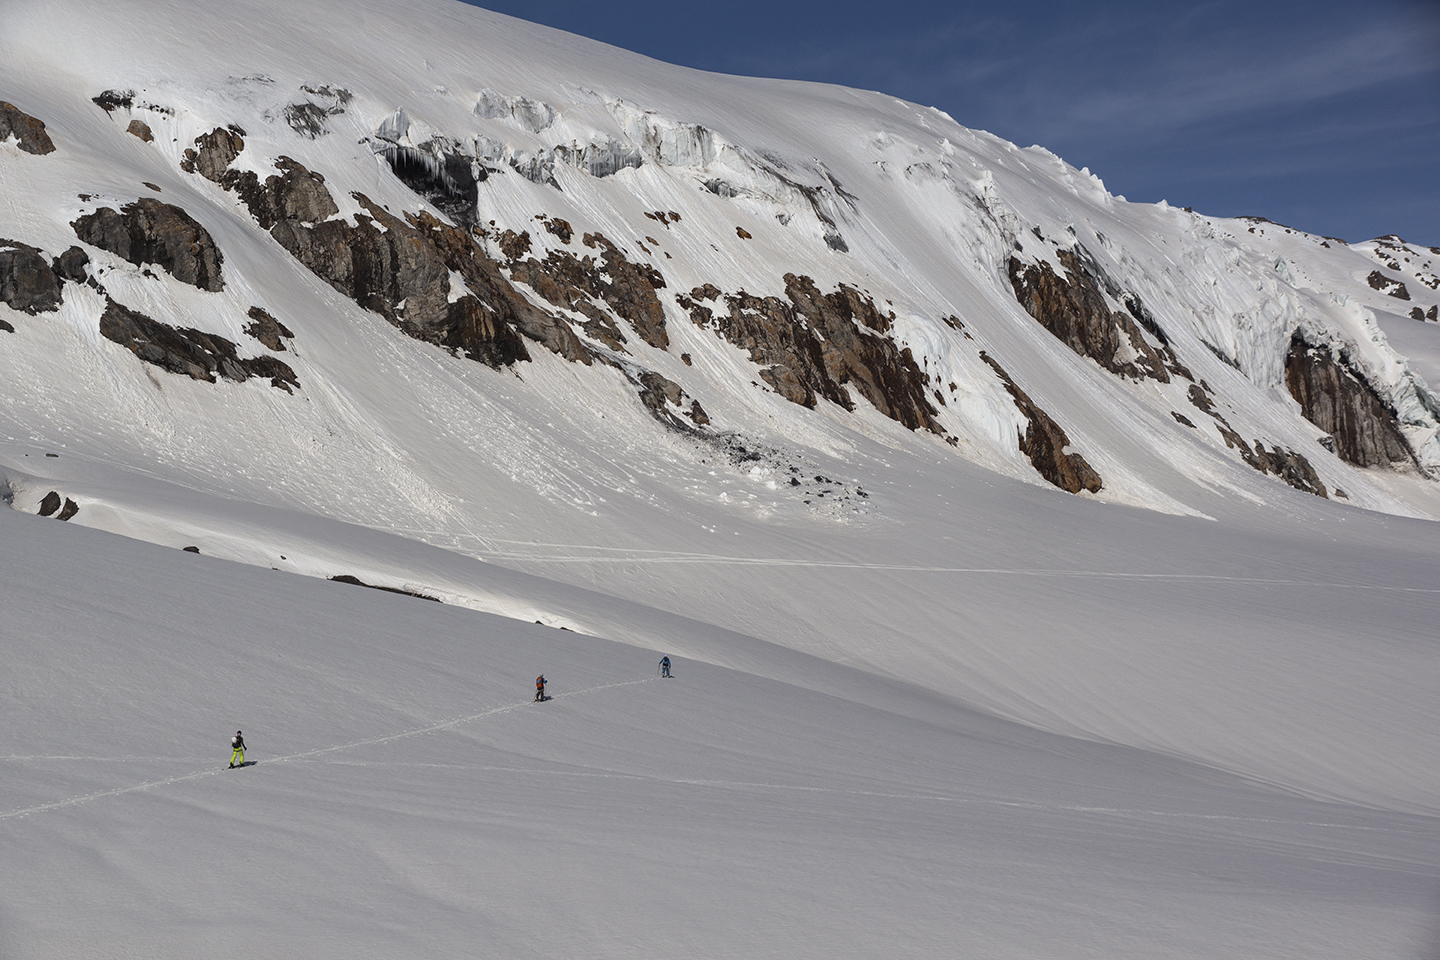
926	702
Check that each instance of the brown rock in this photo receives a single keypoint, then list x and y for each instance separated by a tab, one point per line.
1044	442
1075	311
139	128
27	282
150	231
212	154
629	288
29	131
1334	395
191	353
268	330
816	344
561	228
1393	288
514	245
1289	466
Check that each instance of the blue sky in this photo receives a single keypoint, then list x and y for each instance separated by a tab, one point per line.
1324	115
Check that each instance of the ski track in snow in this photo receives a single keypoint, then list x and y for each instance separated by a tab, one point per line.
321	751
921	568
876	794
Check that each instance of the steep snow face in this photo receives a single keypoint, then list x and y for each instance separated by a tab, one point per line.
732	185
761	353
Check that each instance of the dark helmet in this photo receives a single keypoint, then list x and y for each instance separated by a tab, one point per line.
237	733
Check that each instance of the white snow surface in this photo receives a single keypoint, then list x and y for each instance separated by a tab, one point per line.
925	703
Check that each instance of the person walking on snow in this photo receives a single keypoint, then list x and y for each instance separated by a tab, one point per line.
665	666
237	744
540	688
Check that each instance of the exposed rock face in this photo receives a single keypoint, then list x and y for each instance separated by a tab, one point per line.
27	283
581	284
1288	465
401	272
1337	399
111	100
192	353
815	344
663	397
1074	310
575	284
1044	442
29	131
150	231
139	128
357	582
71	265
1388	286
212	153
268	330
52	503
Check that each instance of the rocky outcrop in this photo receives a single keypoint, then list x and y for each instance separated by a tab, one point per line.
112	100
73	265
150	231
1387	285
405	268
1336	397
582	284
815	345
1045	442
357	582
572	283
53	502
212	153
27	281
139	128
268	330
1288	465
27	130
188	352
309	117
1074	310
400	269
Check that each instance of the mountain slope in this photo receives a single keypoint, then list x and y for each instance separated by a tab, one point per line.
408	800
806	385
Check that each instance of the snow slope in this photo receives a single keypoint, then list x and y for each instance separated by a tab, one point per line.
1192	713
408	801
